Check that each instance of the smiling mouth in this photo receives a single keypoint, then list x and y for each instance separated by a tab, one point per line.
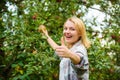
68	37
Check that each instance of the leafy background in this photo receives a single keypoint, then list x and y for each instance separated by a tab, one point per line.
25	54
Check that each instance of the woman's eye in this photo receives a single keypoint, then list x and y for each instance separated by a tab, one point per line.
65	28
72	29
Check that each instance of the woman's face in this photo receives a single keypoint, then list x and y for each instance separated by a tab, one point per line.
70	33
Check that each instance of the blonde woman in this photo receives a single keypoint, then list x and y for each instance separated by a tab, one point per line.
74	63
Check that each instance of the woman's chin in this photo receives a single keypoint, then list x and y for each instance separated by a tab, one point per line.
68	42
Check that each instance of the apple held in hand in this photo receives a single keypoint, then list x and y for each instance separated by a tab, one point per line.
42	28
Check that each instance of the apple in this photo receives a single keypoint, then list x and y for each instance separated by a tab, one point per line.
42	28
34	17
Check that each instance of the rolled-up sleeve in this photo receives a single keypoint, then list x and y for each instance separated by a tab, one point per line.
83	64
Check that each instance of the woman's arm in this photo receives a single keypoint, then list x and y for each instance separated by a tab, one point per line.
75	58
51	42
63	51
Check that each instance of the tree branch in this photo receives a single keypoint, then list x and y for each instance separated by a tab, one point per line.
101	11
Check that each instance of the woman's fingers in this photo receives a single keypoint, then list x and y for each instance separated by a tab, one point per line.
59	50
62	51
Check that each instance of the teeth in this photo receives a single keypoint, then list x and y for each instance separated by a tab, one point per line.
68	36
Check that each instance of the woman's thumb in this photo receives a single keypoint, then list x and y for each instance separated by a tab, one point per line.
62	41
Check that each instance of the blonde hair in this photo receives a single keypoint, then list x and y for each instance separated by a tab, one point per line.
80	27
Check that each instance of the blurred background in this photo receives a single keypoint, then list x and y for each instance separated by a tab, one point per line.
25	54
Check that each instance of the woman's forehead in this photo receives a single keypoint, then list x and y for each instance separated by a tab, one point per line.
69	23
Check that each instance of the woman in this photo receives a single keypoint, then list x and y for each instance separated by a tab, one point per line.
74	63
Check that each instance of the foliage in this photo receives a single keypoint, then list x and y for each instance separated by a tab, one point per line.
25	54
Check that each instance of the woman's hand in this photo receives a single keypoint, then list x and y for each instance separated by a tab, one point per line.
51	42
43	29
63	51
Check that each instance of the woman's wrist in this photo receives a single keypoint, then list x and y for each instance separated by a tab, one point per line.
47	36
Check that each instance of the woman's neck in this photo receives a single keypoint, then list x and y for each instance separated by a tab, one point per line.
70	45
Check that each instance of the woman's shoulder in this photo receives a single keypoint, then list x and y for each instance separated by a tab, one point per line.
79	47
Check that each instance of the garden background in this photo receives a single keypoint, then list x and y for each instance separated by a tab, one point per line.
25	54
